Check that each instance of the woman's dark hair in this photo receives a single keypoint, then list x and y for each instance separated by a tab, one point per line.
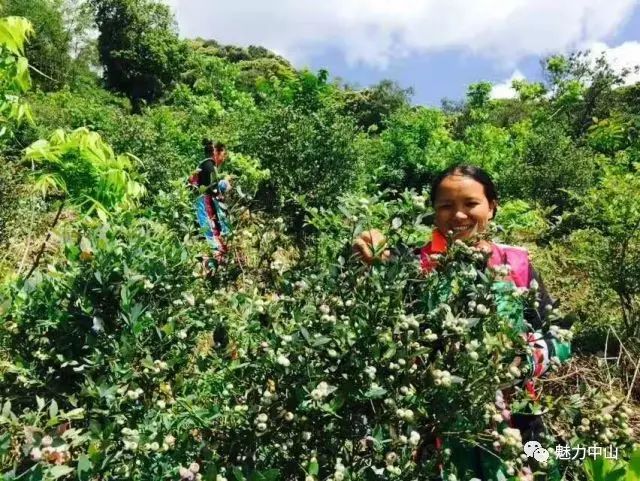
476	173
219	146
208	147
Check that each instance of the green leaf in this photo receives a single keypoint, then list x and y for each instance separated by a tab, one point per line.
35	474
85	466
320	341
13	33
375	393
147	362
136	312
305	334
6	409
271	475
22	79
237	473
77	413
5	443
59	471
211	473
314	468
601	469
337	402
53	409
616	475
47	184
633	468
390	352
85	245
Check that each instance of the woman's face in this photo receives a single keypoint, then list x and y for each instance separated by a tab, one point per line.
462	206
219	155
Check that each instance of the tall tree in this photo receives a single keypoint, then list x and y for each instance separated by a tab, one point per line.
373	105
139	47
583	89
48	49
79	21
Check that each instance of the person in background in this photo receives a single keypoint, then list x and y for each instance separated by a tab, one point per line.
465	199
210	209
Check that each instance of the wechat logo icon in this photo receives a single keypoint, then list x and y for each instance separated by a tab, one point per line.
534	449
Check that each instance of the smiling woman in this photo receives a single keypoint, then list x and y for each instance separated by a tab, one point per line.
465	199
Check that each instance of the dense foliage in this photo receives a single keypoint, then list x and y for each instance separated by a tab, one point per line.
48	50
120	359
139	47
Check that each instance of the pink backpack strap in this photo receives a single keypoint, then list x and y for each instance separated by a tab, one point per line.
517	258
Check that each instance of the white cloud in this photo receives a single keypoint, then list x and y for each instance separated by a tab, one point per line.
504	90
375	32
624	56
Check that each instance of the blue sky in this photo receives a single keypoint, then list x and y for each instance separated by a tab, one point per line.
437	75
438	47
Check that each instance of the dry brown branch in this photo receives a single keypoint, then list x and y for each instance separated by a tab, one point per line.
44	243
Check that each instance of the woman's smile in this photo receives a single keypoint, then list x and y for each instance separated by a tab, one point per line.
462	229
462	206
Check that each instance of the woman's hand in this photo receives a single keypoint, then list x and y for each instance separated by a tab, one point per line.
370	245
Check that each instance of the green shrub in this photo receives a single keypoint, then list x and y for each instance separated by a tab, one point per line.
550	168
83	169
521	221
293	143
414	147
